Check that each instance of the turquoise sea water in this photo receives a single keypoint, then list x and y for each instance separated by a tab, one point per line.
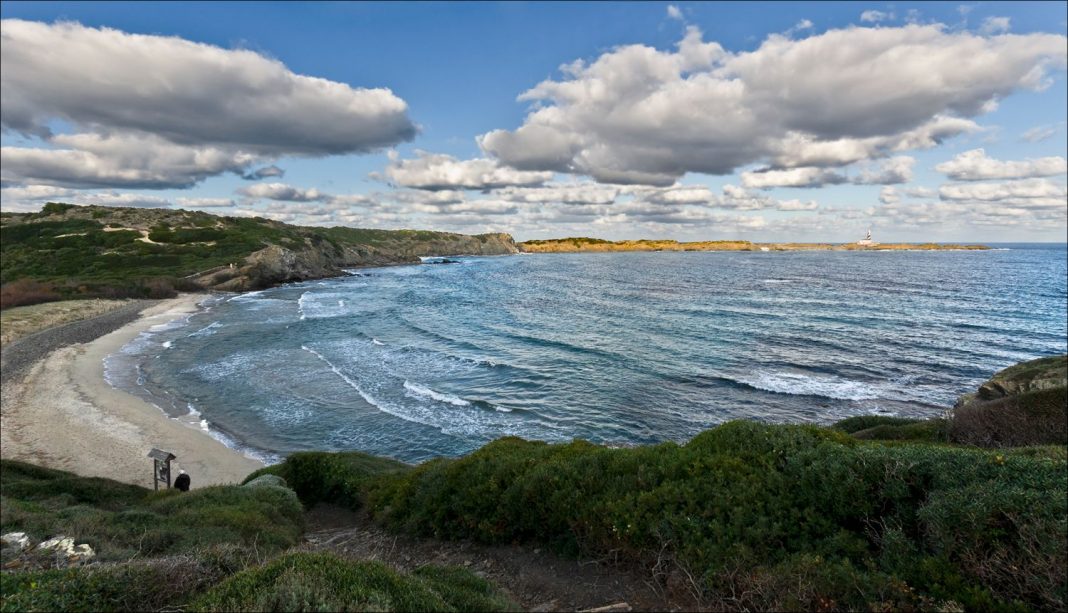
420	361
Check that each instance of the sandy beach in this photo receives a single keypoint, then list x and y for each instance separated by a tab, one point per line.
63	414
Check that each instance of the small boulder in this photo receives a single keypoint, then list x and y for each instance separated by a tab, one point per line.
66	553
15	540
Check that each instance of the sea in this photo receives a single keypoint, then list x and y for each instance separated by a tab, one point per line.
421	361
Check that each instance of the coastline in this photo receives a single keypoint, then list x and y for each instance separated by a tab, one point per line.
62	413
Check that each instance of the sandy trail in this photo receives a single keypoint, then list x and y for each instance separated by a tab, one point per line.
64	414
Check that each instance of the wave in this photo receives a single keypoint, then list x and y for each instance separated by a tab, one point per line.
797	384
375	341
168	344
246	296
207	330
425	392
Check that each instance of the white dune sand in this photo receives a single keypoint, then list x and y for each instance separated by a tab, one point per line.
64	414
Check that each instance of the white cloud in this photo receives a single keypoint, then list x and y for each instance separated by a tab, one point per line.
1040	193
894	170
897	169
640	115
206	109
995	25
433	171
974	165
283	192
808	176
1041	133
564	193
673	12
873	16
889	195
200	203
144	161
266	172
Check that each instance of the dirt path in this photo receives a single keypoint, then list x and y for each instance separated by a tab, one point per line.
536	579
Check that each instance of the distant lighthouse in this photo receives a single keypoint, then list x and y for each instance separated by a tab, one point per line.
866	241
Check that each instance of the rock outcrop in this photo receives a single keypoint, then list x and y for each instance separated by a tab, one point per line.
321	258
1031	376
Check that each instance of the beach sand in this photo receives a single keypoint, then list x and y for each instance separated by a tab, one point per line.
63	414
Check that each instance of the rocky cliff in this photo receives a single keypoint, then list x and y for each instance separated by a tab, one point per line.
73	251
1023	378
325	258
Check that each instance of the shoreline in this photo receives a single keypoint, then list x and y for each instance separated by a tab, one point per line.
62	413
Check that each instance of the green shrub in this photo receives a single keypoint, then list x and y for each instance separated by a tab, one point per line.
119	520
863	422
339	478
144	585
1032	418
757	497
323	582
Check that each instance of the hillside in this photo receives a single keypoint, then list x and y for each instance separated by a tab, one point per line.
74	251
597	245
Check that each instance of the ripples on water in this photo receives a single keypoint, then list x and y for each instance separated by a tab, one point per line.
420	361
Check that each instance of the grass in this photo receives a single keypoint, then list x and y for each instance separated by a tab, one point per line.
68	251
324	582
790	516
120	521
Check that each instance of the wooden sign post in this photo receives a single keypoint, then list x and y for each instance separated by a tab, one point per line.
161	467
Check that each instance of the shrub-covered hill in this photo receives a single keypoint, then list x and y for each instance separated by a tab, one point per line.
68	250
757	516
219	548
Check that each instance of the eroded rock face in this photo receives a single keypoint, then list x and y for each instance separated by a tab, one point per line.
1031	376
320	259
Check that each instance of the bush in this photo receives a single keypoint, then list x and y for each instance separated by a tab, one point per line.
25	292
119	520
148	585
863	422
323	582
339	478
766	500
1032	418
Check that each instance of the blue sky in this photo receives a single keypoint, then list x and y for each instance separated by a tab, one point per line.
458	68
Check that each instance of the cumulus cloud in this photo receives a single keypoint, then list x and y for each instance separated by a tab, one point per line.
1040	193
873	16
673	12
144	161
808	176
995	25
894	170
974	165
564	193
266	172
207	109
434	171
283	192
890	194
201	203
644	116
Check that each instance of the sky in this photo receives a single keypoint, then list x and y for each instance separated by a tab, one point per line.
692	121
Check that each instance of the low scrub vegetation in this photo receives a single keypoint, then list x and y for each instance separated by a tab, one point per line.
120	521
756	516
1031	418
324	582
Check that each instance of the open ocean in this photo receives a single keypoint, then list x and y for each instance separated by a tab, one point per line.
414	362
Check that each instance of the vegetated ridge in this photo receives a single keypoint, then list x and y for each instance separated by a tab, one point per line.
68	251
584	244
873	513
